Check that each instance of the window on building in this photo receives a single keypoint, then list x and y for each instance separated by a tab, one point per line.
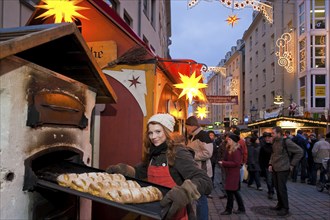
128	19
301	18
250	86
264	101
272	94
273	71
318	90
264	25
264	77
250	44
113	4
302	55
264	55
318	49
272	44
317	14
257	82
146	7
145	40
257	103
250	64
256	35
302	90
237	63
257	58
153	13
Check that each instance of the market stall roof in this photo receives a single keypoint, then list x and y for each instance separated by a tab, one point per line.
272	121
126	42
183	66
60	48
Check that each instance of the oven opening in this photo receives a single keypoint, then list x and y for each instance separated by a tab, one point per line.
47	165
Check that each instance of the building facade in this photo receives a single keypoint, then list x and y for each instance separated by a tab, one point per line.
312	30
265	78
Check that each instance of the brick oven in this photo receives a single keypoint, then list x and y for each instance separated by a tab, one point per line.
49	86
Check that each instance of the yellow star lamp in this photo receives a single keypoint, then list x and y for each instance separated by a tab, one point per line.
191	87
62	10
232	20
201	112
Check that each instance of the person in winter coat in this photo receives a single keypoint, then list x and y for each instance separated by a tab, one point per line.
202	145
232	164
167	162
253	163
280	165
264	157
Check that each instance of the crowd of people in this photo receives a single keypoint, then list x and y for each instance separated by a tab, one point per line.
186	164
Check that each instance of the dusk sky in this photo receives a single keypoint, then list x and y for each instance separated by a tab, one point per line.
202	33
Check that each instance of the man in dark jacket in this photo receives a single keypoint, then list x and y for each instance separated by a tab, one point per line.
301	141
264	157
280	165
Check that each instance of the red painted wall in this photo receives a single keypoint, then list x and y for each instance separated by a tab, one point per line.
121	136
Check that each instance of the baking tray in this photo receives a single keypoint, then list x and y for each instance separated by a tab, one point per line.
47	179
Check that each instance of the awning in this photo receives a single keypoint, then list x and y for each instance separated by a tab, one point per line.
183	66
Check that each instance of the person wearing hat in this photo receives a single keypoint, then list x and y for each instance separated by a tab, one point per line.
264	157
201	143
167	162
232	164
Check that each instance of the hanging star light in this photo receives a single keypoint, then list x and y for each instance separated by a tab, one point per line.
191	87
232	20
201	112
62	10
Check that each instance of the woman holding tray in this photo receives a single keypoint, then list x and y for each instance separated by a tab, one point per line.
168	162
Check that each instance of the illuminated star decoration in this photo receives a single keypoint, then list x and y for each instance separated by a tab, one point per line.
201	112
191	87
232	20
134	81
62	10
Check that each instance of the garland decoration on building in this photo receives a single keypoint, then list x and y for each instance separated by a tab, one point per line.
191	87
284	54
62	10
256	5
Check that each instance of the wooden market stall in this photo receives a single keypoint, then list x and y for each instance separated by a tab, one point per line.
143	83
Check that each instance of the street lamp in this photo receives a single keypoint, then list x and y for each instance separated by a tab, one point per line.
253	112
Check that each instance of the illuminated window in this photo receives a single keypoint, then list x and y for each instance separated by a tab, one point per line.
317	14
302	55
318	49
318	91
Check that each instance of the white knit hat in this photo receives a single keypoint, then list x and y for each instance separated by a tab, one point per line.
166	120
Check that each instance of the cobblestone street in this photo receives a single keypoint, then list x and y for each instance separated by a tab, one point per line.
304	200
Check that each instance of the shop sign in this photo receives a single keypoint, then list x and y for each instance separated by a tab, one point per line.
289	124
221	100
319	90
103	51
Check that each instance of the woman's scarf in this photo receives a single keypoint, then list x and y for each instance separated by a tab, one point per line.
155	151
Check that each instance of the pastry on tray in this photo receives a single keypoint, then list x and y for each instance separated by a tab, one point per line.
113	187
